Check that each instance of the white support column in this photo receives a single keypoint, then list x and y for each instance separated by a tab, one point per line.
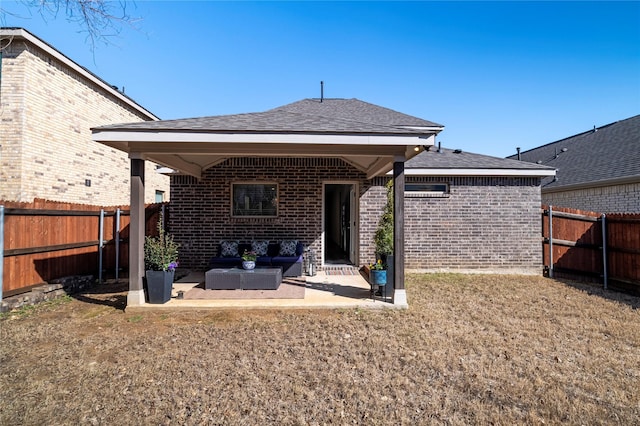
136	234
399	292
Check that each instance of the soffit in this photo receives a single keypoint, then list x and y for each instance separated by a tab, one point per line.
373	155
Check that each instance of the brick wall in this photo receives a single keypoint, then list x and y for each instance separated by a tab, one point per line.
201	209
485	223
488	224
46	147
607	199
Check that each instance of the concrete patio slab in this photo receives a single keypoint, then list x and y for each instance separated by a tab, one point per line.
322	291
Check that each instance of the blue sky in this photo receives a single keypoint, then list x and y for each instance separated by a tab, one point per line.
497	75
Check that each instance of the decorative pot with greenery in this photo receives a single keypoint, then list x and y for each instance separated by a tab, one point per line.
383	238
249	259
378	273
161	261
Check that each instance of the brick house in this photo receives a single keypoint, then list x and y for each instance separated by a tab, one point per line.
321	165
598	170
48	105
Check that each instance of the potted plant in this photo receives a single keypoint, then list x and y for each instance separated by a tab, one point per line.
249	259
378	273
383	238
161	261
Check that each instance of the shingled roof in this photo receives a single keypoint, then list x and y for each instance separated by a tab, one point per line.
457	159
366	136
355	110
605	154
309	116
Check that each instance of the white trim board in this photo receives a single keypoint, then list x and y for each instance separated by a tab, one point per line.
478	172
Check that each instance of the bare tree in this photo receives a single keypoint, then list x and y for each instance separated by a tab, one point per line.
99	19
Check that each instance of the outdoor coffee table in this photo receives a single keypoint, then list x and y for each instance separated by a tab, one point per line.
241	279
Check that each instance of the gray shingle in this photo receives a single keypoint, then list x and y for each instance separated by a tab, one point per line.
451	159
608	152
332	116
356	110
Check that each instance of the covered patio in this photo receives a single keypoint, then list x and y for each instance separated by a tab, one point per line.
373	140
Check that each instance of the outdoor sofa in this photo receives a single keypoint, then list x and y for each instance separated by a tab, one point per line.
286	254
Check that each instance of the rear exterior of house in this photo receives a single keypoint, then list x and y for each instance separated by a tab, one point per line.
49	103
316	171
456	219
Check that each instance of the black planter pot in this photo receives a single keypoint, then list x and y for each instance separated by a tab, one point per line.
159	285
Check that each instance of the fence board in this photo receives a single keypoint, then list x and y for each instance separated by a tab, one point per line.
577	249
624	231
35	227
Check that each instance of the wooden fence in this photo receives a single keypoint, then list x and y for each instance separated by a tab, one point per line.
602	248
45	240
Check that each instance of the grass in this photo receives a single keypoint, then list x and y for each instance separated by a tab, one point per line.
28	310
471	349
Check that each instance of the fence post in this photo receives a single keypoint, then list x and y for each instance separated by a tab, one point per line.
100	245
117	244
604	251
550	241
1	250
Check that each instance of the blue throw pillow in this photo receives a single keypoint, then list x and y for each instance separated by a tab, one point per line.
260	247
288	248
229	249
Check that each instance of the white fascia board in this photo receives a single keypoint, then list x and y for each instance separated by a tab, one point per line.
478	172
248	138
51	51
424	128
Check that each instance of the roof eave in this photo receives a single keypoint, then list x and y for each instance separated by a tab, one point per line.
479	172
592	184
115	136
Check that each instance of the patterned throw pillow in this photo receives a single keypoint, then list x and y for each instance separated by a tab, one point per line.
288	248
260	247
229	249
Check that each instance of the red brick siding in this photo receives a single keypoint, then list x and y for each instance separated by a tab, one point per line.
484	223
201	209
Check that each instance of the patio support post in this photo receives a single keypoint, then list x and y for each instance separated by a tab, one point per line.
399	292
136	233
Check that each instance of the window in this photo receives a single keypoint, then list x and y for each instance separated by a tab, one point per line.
254	199
159	196
418	190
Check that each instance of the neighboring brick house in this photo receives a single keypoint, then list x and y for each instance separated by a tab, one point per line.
48	104
320	167
598	170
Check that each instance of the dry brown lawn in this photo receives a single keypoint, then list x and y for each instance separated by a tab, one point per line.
472	349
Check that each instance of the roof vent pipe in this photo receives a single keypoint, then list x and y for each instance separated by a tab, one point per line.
518	151
321	91
439	147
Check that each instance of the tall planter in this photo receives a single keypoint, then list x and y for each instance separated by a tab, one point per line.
159	285
378	277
